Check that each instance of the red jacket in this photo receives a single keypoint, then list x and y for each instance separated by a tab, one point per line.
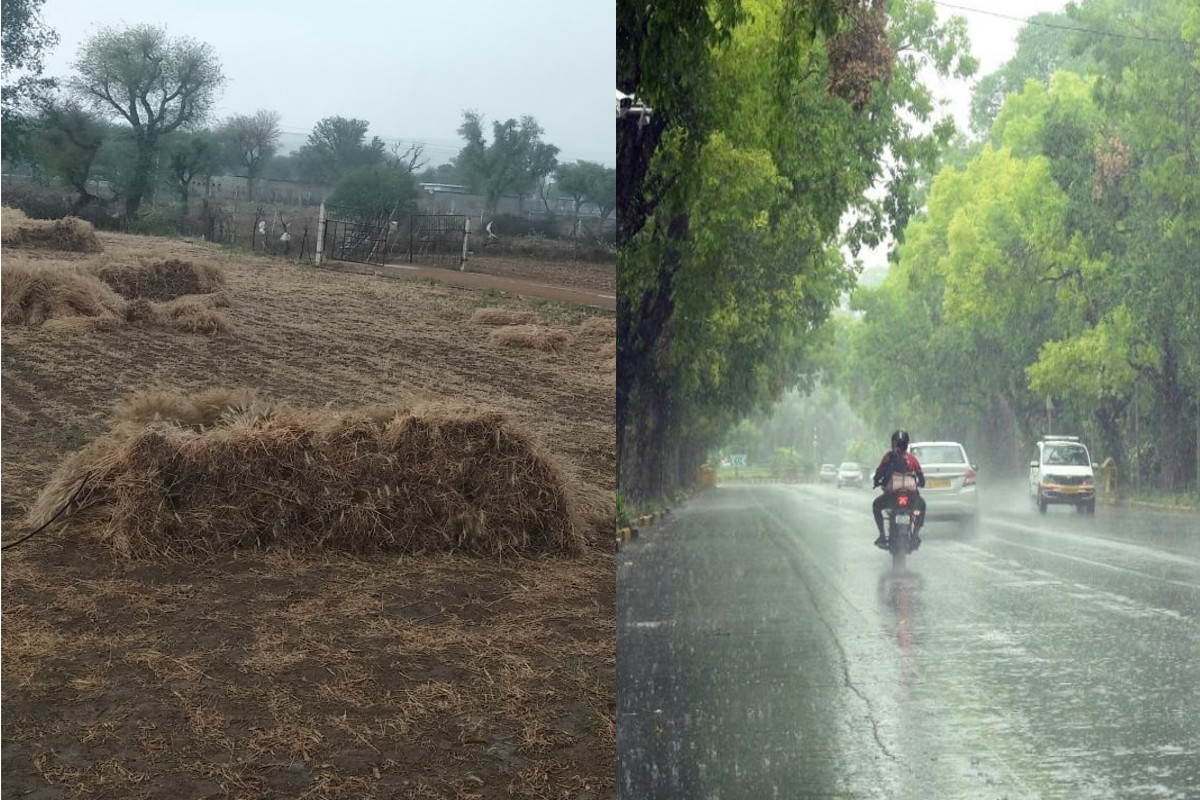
882	472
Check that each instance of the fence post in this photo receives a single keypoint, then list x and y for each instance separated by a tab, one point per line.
462	265
320	251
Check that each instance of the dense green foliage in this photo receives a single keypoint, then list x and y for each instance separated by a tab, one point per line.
770	120
587	181
377	192
1058	263
513	162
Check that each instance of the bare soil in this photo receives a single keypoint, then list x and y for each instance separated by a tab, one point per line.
280	674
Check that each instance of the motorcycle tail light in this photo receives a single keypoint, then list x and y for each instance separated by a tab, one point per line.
903	501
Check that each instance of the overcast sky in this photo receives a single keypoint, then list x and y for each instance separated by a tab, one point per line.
410	69
993	33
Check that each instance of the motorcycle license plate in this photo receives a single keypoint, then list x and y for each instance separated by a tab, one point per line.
902	519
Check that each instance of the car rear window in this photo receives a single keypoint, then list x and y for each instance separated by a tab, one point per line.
939	454
849	465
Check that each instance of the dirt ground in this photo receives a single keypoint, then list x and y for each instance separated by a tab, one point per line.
599	277
280	674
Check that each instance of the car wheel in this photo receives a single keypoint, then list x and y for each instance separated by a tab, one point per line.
970	524
1091	507
1041	506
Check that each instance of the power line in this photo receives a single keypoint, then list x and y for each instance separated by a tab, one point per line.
1031	21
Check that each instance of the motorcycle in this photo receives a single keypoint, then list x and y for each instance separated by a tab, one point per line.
901	514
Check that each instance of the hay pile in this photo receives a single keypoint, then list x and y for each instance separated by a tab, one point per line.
597	330
196	476
70	234
161	280
72	299
191	314
501	316
534	337
33	293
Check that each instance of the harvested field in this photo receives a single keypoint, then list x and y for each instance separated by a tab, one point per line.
302	670
501	316
531	337
598	276
70	234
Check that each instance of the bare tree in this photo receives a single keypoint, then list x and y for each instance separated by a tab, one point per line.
411	160
154	83
253	139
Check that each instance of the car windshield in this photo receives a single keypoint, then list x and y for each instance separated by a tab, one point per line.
1067	455
938	454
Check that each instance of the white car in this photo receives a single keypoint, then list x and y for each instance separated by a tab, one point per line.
850	474
1062	472
950	488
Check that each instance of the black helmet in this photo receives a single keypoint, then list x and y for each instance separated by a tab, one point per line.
900	439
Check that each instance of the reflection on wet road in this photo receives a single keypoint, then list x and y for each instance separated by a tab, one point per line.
766	649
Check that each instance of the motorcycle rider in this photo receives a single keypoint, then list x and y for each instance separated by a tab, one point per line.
898	459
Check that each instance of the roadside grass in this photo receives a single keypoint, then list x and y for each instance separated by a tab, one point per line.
1182	500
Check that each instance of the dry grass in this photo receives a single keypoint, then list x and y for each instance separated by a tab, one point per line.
533	337
501	316
77	298
227	471
33	292
160	279
190	314
597	330
69	234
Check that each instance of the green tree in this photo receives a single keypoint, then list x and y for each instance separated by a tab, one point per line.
377	192
1147	172
1043	47
24	40
584	181
154	83
729	258
511	163
336	146
189	156
252	140
66	142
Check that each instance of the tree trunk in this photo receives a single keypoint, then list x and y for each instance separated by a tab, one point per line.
142	174
1175	443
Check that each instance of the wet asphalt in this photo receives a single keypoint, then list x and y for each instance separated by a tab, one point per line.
765	649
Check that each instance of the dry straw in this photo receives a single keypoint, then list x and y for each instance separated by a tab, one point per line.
72	299
70	234
161	280
597	329
501	316
533	337
190	477
32	293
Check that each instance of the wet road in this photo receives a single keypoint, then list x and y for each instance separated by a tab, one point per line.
765	649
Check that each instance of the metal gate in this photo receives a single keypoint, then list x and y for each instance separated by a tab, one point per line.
438	238
360	242
353	235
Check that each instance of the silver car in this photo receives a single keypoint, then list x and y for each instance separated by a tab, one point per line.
850	474
950	488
